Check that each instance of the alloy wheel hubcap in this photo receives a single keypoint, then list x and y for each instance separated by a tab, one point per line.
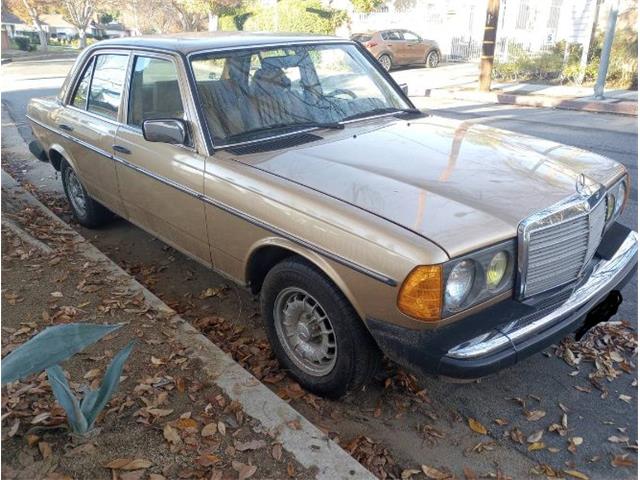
432	59
305	331
76	193
386	62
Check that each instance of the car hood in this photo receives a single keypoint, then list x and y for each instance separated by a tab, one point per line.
459	184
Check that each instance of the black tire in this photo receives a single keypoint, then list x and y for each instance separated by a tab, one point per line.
432	59
385	61
94	214
357	356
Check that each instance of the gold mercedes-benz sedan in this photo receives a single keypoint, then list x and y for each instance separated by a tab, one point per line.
295	166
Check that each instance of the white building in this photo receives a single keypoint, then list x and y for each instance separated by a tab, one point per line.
458	25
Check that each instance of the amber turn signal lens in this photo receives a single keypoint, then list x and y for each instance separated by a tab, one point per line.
421	293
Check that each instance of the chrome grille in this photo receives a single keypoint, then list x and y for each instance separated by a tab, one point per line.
557	252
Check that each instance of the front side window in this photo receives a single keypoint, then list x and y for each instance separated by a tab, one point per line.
410	36
106	86
251	93
155	92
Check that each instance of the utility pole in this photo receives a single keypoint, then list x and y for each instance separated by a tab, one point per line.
489	44
598	89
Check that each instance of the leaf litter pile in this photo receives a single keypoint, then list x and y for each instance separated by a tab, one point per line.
400	399
166	421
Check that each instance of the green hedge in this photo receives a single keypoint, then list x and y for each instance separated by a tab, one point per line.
309	16
548	67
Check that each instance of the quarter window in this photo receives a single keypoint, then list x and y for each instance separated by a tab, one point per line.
80	97
154	91
106	86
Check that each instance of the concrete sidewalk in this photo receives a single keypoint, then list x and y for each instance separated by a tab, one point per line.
460	82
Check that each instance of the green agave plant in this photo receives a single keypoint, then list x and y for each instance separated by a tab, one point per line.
53	345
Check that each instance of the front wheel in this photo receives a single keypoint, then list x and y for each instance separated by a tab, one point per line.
385	61
433	59
88	212
315	332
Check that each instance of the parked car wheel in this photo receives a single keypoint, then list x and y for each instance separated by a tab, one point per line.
314	331
88	212
385	61
433	59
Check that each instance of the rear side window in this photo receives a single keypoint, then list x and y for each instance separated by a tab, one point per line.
106	86
392	35
361	37
82	90
154	91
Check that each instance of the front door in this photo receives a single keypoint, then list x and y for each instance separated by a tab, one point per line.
90	119
416	50
161	184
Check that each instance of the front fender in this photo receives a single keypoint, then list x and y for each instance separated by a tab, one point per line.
324	265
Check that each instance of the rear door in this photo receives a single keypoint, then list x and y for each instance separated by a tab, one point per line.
394	42
90	119
161	184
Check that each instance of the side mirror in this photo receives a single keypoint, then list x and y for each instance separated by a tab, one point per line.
165	130
405	88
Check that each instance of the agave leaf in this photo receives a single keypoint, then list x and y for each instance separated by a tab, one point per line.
67	399
50	347
88	401
109	384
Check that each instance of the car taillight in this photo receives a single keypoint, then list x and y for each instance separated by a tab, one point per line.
370	44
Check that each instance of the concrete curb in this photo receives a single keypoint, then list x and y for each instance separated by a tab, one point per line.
619	107
310	447
35	58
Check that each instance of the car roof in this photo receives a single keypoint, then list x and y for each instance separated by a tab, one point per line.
187	43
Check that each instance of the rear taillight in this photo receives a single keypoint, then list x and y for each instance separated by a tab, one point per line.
370	44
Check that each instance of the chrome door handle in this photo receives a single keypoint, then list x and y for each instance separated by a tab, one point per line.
121	149
65	127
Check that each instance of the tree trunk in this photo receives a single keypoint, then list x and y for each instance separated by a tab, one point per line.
42	35
213	22
83	38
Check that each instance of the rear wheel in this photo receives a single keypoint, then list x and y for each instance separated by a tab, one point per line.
433	59
385	61
314	331
88	212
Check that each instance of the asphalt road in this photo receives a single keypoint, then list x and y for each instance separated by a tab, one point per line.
543	380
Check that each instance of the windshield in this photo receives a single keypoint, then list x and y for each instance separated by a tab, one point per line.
254	93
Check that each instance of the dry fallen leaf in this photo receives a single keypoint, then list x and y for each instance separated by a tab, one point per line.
534	415
476	426
45	449
625	398
469	474
171	434
276	452
535	437
250	445
576	474
536	446
244	471
209	430
434	473
222	428
622	461
408	473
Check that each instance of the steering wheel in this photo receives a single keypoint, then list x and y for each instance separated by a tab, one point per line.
342	91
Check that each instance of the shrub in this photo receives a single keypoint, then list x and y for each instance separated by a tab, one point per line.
54	345
23	43
310	16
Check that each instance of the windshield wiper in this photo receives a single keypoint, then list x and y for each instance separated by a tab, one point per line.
380	111
284	126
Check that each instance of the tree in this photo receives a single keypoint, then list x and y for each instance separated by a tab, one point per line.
79	13
30	11
366	6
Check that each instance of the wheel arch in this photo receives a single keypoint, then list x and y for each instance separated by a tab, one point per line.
267	253
57	154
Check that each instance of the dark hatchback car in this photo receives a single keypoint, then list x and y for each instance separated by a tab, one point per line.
400	47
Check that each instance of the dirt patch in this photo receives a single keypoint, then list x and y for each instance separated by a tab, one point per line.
166	414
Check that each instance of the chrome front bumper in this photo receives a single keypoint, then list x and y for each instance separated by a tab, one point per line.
605	276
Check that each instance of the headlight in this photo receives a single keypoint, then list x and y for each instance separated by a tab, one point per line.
496	270
459	284
433	292
616	198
